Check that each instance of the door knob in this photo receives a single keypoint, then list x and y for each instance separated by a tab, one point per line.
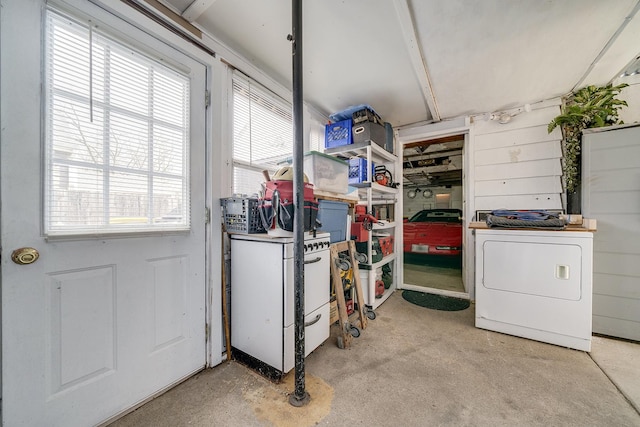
24	256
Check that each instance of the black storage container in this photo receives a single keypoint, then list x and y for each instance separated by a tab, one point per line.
369	131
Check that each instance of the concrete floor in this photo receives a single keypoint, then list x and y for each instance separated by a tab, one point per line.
419	367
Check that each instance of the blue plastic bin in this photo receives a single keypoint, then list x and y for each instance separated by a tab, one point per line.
358	171
333	216
338	133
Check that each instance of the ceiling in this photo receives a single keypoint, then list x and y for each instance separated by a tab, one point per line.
416	61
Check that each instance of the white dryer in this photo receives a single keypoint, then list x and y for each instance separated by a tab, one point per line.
535	284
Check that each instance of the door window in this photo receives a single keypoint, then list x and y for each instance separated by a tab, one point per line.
116	135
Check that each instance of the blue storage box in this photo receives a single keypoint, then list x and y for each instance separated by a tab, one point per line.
338	133
358	171
333	216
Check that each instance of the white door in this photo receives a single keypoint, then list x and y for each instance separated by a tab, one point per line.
611	195
98	172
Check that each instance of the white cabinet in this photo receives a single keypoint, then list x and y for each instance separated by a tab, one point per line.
262	297
535	284
384	200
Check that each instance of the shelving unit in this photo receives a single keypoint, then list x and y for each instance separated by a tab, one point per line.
373	196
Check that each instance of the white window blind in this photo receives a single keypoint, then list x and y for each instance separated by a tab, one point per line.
316	135
262	133
117	133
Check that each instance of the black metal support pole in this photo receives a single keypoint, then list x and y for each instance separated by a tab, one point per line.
299	397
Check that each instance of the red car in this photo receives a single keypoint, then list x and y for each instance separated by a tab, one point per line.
434	232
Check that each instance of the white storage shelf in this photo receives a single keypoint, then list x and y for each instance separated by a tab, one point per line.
372	194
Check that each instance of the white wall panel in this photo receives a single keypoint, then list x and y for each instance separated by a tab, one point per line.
533	201
621	202
618	155
535	168
523	153
616	307
521	136
617	233
614	327
616	263
517	165
618	180
623	286
517	186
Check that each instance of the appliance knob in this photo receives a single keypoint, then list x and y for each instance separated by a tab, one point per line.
315	245
305	248
310	246
327	244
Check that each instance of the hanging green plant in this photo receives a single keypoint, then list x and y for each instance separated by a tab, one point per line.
590	107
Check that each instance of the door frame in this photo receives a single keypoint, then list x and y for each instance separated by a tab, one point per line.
459	126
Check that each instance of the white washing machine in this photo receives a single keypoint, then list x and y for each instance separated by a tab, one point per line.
535	284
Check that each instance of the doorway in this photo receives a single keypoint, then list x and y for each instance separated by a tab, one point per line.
433	226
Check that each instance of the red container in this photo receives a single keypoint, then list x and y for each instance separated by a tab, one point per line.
386	245
285	188
379	288
349	306
361	210
358	232
285	215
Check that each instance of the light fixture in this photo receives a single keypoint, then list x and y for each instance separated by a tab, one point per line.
427	193
501	117
504	117
413	193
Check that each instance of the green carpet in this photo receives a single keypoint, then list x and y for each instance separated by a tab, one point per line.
435	302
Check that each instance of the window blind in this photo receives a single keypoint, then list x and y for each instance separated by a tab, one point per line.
262	133
316	135
117	135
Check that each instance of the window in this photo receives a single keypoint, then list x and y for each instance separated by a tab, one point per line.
262	134
316	135
117	135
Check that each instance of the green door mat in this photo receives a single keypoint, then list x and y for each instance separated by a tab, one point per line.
436	302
